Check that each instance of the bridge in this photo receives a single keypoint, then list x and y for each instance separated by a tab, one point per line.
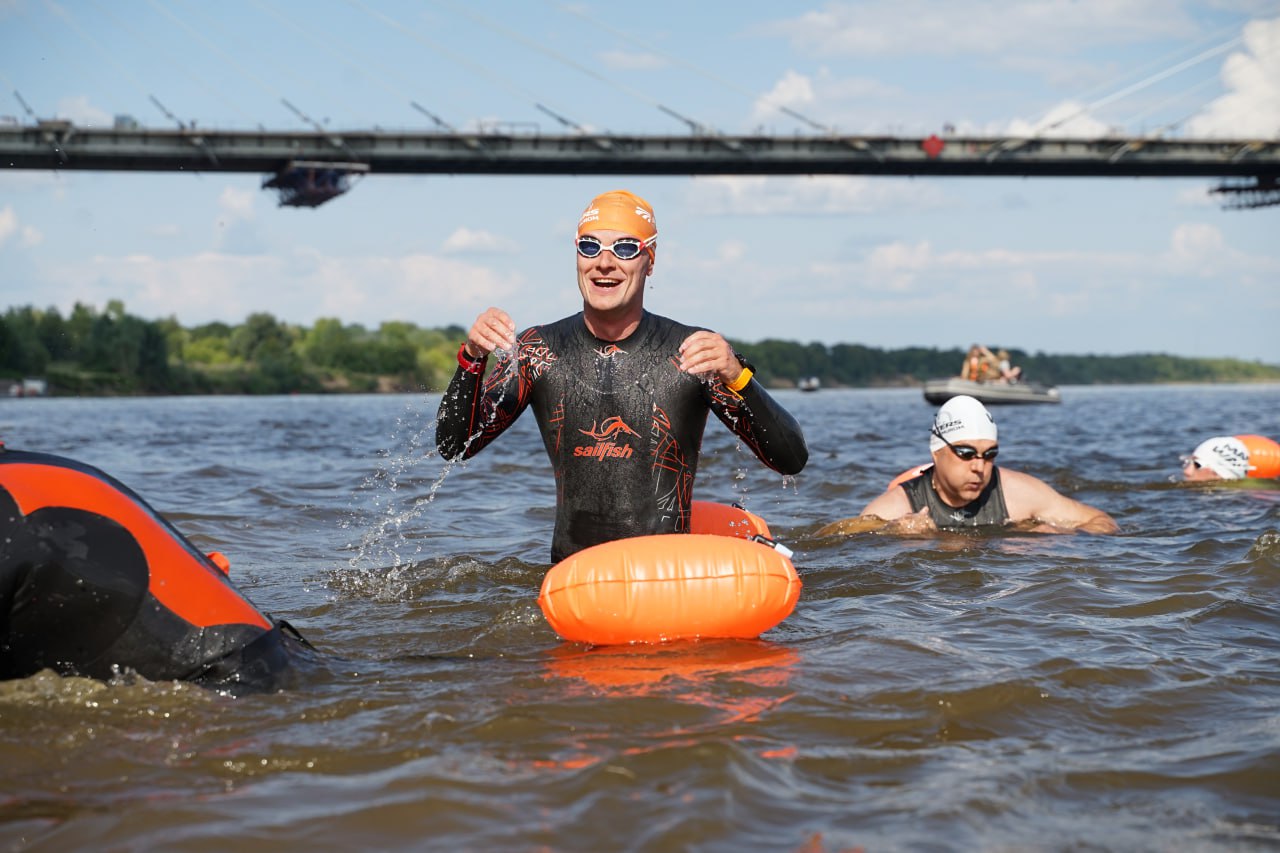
1249	169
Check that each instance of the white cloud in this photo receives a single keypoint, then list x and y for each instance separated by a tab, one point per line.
794	90
8	223
1251	106
237	203
235	228
1067	119
81	112
908	27
1195	197
823	98
824	195
471	241
298	286
10	227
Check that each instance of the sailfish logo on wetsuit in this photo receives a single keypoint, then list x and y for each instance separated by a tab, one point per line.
606	444
610	350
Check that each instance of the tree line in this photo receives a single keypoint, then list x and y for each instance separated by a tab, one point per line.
113	352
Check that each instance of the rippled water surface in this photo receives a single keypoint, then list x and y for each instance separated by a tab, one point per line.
1025	692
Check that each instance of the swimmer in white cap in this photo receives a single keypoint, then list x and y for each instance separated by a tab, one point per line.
1223	457
963	488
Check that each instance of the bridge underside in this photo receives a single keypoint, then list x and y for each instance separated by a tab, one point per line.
1252	164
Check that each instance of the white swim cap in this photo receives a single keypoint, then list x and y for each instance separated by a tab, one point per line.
961	418
1224	455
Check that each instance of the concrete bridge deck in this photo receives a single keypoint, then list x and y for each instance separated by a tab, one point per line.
62	145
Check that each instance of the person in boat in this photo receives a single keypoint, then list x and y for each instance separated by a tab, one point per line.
621	395
1006	372
94	583
980	365
965	489
1232	457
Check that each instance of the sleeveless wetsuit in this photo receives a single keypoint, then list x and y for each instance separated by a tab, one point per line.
93	580
621	423
987	509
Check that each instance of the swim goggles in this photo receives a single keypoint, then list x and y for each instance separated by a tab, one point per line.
965	452
624	248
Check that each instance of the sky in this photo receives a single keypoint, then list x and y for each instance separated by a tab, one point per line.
1062	266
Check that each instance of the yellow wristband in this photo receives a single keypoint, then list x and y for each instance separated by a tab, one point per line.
741	382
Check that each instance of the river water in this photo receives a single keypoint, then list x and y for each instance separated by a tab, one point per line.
1026	692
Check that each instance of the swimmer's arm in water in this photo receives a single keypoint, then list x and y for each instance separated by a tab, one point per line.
889	513
1033	501
749	411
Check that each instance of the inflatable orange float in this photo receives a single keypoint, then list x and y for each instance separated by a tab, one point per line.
1264	456
94	581
909	474
735	583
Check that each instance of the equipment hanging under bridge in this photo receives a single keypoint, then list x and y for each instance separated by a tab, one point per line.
1245	194
310	183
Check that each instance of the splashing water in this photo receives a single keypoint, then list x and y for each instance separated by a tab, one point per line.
385	552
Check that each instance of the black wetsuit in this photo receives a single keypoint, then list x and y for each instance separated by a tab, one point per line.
986	510
622	425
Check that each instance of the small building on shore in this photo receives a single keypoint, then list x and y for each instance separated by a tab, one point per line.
24	387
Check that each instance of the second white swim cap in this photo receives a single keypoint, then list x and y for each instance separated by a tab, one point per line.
1224	455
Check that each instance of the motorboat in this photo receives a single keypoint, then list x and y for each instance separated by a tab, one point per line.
939	391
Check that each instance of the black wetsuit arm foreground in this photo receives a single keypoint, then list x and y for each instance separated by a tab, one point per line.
474	410
769	430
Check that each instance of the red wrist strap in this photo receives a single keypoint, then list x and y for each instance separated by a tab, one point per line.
469	364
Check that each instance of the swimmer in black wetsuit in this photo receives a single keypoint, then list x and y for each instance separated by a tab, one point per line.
964	489
621	395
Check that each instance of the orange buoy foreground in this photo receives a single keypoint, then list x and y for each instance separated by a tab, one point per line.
1264	456
653	589
94	581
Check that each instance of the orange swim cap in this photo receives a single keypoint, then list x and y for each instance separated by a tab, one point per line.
620	210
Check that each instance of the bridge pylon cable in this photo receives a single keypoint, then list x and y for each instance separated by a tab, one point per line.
361	65
158	49
107	56
452	56
753	97
483	21
1144	83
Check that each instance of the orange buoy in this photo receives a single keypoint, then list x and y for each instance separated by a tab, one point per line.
652	589
94	581
1264	456
909	474
726	520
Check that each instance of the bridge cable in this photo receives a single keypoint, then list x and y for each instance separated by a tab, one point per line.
753	97
216	49
388	21
1145	82
159	49
559	57
347	57
67	18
